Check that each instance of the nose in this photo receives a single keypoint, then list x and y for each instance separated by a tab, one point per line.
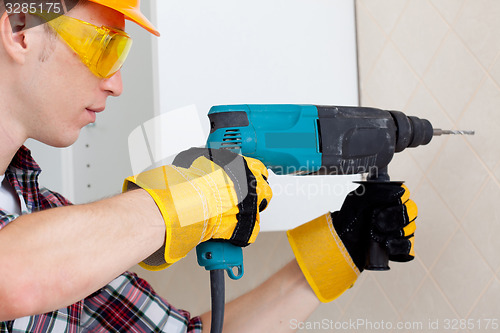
113	85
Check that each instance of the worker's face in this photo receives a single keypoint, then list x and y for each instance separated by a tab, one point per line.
63	94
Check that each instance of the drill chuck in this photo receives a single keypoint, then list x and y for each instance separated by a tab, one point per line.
411	131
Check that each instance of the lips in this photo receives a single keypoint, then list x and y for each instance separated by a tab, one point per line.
93	116
96	110
93	113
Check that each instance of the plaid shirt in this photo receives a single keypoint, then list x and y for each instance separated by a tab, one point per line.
126	304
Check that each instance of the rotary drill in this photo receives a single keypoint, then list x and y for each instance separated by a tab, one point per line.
308	140
321	140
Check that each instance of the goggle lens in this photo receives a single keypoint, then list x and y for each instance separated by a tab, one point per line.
102	49
113	56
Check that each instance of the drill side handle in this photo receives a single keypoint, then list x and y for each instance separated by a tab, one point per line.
377	258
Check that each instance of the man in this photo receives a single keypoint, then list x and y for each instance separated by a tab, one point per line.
62	269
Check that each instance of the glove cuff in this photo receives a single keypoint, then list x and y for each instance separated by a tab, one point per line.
323	258
158	260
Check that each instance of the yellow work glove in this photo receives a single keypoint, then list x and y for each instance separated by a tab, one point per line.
205	194
331	249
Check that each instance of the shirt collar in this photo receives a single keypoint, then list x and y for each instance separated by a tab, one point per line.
24	161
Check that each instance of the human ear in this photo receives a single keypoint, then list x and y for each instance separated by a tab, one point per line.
13	35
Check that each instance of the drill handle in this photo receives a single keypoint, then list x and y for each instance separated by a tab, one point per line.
377	258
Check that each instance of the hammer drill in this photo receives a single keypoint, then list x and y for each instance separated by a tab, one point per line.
320	140
312	140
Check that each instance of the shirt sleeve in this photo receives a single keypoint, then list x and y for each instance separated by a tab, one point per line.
6	218
50	199
129	304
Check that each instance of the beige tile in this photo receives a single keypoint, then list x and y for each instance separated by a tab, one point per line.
495	71
478	26
483	116
435	224
449	9
450	96
428	306
402	168
266	256
423	105
365	100
457	175
385	12
401	281
497	172
279	255
371	40
323	318
345	300
392	82
482	223
487	307
369	305
461	273
189	287
453	76
417	38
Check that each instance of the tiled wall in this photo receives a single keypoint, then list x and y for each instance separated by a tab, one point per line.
440	60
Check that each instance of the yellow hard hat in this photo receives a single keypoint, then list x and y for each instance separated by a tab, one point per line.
132	11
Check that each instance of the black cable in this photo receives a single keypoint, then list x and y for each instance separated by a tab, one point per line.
218	299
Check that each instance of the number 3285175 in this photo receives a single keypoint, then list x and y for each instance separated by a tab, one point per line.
33	7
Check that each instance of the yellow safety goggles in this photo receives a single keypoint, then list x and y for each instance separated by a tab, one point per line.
102	49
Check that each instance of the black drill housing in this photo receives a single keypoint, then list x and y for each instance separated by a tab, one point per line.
360	139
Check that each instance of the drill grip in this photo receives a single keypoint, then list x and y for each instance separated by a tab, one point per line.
377	258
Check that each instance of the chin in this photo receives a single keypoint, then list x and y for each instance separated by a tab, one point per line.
67	142
62	141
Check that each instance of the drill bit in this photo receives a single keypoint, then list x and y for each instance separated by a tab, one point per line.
438	132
